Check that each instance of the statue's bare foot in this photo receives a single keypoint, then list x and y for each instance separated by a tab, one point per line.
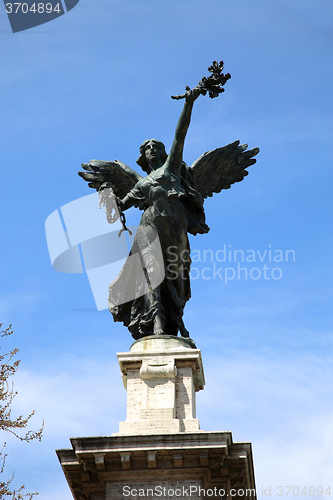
158	325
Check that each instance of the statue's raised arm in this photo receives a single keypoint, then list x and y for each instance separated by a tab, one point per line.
175	158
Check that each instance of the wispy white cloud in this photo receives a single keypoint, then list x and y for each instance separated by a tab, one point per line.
84	398
283	404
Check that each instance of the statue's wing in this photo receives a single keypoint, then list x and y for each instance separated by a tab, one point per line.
218	169
118	175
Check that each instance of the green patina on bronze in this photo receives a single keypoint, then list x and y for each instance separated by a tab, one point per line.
171	196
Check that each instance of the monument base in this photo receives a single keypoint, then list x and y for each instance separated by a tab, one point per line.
160	450
171	466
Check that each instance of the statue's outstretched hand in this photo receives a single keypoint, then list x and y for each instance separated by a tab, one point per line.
190	94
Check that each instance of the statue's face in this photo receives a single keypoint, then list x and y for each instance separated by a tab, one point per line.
153	154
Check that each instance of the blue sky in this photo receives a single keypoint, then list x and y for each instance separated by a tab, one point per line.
95	83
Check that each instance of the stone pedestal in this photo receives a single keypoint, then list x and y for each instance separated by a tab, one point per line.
161	376
160	451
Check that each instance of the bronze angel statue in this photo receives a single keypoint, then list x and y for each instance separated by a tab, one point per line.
171	195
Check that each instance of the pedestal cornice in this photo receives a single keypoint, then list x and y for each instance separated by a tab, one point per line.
209	457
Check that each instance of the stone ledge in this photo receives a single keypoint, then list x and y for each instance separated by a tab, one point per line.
210	458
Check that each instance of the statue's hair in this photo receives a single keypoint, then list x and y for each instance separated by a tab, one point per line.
142	160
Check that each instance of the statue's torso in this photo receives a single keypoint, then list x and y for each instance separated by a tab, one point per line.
160	187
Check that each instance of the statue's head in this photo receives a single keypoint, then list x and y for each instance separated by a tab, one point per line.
152	155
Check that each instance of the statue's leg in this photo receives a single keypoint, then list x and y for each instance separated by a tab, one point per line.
158	325
159	316
153	267
183	331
